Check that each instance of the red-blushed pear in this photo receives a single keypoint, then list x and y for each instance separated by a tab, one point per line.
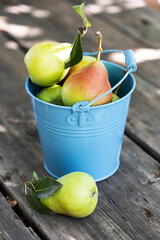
88	83
84	62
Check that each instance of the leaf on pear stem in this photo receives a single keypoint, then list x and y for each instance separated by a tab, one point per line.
40	189
82	30
80	10
46	187
23	178
35	179
28	184
35	203
76	54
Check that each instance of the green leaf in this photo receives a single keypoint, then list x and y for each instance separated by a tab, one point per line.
76	54
35	203
46	187
35	179
80	10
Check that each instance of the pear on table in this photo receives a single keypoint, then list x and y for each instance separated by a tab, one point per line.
45	62
77	197
88	83
51	94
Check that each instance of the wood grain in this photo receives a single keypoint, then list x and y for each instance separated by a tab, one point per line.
11	227
132	17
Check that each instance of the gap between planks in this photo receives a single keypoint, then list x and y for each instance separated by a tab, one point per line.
21	213
143	145
28	221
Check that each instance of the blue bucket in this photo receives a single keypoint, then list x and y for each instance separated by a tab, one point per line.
81	137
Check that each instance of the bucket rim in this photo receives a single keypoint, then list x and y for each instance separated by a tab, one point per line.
93	107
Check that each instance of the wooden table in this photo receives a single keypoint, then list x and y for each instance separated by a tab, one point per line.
129	201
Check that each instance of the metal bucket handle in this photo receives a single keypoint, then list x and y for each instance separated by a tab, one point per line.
130	62
81	112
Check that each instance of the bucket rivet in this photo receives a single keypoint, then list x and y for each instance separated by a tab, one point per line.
72	119
89	119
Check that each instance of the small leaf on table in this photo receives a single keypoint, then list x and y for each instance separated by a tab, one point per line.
46	187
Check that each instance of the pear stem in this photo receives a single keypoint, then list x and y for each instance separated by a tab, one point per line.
99	36
117	89
28	183
82	30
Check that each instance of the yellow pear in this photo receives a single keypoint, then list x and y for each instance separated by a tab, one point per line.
77	197
45	62
51	94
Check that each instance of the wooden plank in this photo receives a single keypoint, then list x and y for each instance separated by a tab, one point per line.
128	194
21	152
147	76
141	125
11	227
133	17
57	227
145	25
28	24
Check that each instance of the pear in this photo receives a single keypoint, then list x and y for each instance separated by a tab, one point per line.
51	94
45	62
77	197
85	61
115	97
88	83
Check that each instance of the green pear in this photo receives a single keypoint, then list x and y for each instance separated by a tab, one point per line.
85	61
115	97
45	62
51	94
77	197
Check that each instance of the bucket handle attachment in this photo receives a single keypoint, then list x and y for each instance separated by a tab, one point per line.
81	114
